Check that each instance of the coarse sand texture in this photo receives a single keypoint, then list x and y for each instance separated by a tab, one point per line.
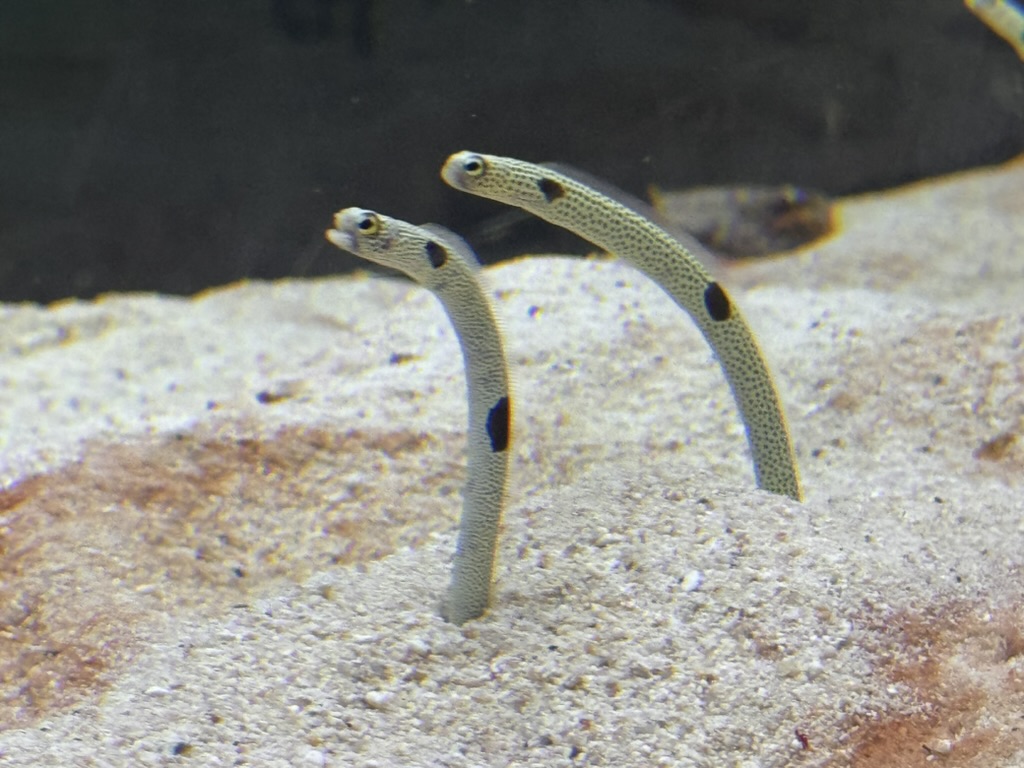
227	521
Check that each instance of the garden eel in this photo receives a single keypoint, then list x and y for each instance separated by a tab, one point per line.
441	261
571	202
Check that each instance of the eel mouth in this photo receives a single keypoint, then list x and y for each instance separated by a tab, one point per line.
452	172
342	239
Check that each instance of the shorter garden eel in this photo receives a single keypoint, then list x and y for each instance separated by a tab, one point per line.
441	261
568	199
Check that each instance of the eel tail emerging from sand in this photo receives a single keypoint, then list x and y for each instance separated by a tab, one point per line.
442	262
568	199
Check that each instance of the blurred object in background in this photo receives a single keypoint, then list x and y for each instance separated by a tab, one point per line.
174	146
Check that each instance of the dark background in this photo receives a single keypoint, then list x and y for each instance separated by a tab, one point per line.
176	145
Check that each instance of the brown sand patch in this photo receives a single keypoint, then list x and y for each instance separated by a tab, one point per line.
193	522
963	665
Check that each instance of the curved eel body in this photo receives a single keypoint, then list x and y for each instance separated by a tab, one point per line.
622	230
441	262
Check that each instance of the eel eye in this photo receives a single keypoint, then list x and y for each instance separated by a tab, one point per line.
473	165
368	223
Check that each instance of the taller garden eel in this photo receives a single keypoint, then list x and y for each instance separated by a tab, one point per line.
442	262
563	198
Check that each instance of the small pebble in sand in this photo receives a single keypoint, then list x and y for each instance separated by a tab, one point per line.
691	581
378	699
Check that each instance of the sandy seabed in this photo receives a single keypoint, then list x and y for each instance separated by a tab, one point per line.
228	520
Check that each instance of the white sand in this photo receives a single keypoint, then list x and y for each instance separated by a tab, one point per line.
192	576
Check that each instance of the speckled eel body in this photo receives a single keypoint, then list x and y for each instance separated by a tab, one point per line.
441	262
576	205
